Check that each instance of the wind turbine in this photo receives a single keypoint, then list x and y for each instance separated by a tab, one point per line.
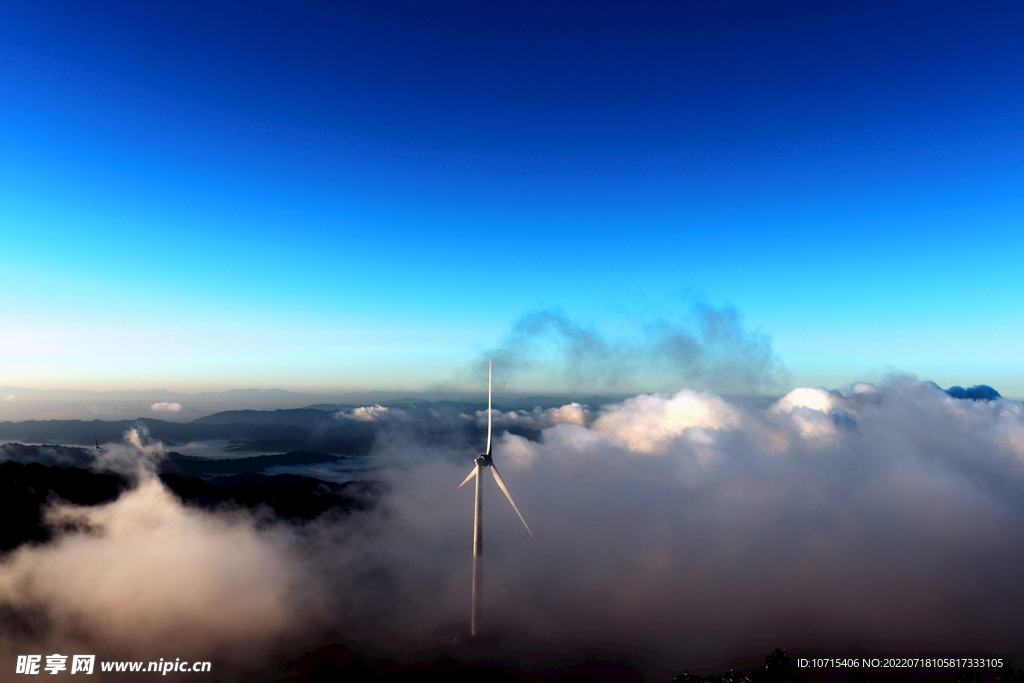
484	461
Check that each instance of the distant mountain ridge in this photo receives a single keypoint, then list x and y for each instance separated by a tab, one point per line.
336	429
174	463
87	432
25	403
297	417
187	465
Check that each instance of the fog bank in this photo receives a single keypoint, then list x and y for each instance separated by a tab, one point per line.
680	525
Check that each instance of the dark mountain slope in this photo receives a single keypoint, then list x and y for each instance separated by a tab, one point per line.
26	489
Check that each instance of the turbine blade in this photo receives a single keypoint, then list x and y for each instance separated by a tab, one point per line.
497	478
471	475
488	451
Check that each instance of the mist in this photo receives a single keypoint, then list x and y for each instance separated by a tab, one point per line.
713	351
684	527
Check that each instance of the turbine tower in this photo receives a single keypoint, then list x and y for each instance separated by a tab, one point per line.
484	461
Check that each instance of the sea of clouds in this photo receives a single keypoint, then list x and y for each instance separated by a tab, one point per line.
682	526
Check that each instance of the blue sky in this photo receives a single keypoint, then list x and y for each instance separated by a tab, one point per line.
370	195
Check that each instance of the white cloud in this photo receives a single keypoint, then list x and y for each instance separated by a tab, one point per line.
822	400
372	413
538	418
166	407
145	574
683	525
649	423
155	576
137	456
904	535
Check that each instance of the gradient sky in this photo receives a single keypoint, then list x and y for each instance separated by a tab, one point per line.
370	195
